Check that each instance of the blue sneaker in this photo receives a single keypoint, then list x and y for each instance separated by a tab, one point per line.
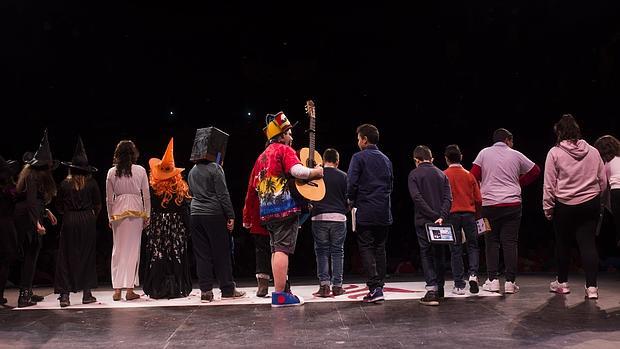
374	296
285	299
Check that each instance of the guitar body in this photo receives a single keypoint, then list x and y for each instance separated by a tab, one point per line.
313	190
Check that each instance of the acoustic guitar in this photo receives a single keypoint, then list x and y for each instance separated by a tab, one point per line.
313	190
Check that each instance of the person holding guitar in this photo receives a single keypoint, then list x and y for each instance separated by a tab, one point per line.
279	211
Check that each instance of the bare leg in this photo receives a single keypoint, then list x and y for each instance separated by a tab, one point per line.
279	266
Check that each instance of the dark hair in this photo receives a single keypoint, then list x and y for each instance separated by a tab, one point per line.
501	134
331	155
125	155
608	146
453	154
567	129
41	177
422	153
369	131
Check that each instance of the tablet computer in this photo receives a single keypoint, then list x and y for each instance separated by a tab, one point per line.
440	233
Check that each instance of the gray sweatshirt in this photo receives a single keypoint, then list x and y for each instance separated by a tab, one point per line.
210	197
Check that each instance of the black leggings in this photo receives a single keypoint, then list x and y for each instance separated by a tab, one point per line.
615	209
577	222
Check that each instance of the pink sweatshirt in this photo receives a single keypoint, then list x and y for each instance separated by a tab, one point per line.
574	173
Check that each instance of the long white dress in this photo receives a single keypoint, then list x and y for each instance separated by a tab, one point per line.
129	204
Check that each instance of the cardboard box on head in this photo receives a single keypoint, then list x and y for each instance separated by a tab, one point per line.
209	144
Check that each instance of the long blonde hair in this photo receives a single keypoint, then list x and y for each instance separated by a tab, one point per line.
77	178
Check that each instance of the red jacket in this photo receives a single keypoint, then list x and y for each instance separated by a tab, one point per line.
251	209
465	190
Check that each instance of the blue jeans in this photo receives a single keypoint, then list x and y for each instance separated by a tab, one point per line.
432	256
329	242
467	222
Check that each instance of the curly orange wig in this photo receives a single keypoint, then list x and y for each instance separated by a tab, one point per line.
167	188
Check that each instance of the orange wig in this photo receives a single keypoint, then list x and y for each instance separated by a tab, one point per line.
171	187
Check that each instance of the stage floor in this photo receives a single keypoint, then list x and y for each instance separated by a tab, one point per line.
532	317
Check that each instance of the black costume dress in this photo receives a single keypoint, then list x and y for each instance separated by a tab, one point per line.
29	209
75	265
8	234
167	272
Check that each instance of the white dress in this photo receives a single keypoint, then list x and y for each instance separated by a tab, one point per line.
129	204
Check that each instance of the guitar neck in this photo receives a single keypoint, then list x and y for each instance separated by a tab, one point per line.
311	132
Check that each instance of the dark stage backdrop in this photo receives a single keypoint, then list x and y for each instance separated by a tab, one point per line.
430	73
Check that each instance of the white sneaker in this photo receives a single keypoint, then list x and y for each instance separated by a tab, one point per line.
491	286
592	292
559	287
458	291
510	287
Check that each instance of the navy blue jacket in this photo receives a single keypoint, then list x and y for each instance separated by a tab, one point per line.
335	200
370	186
430	191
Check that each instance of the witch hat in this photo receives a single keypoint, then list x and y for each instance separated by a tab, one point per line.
80	160
164	168
43	156
8	167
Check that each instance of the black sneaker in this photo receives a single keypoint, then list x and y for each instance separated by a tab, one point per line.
473	284
440	293
374	296
430	298
206	296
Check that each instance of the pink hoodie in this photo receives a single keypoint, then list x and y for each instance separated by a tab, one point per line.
574	173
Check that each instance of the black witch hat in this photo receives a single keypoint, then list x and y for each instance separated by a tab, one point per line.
8	167
80	160
43	156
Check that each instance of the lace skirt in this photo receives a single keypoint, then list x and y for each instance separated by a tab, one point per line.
167	272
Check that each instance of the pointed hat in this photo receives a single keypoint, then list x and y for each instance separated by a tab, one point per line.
164	168
8	167
80	160
43	156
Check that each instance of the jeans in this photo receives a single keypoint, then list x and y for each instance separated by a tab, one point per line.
467	222
371	241
432	256
329	239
